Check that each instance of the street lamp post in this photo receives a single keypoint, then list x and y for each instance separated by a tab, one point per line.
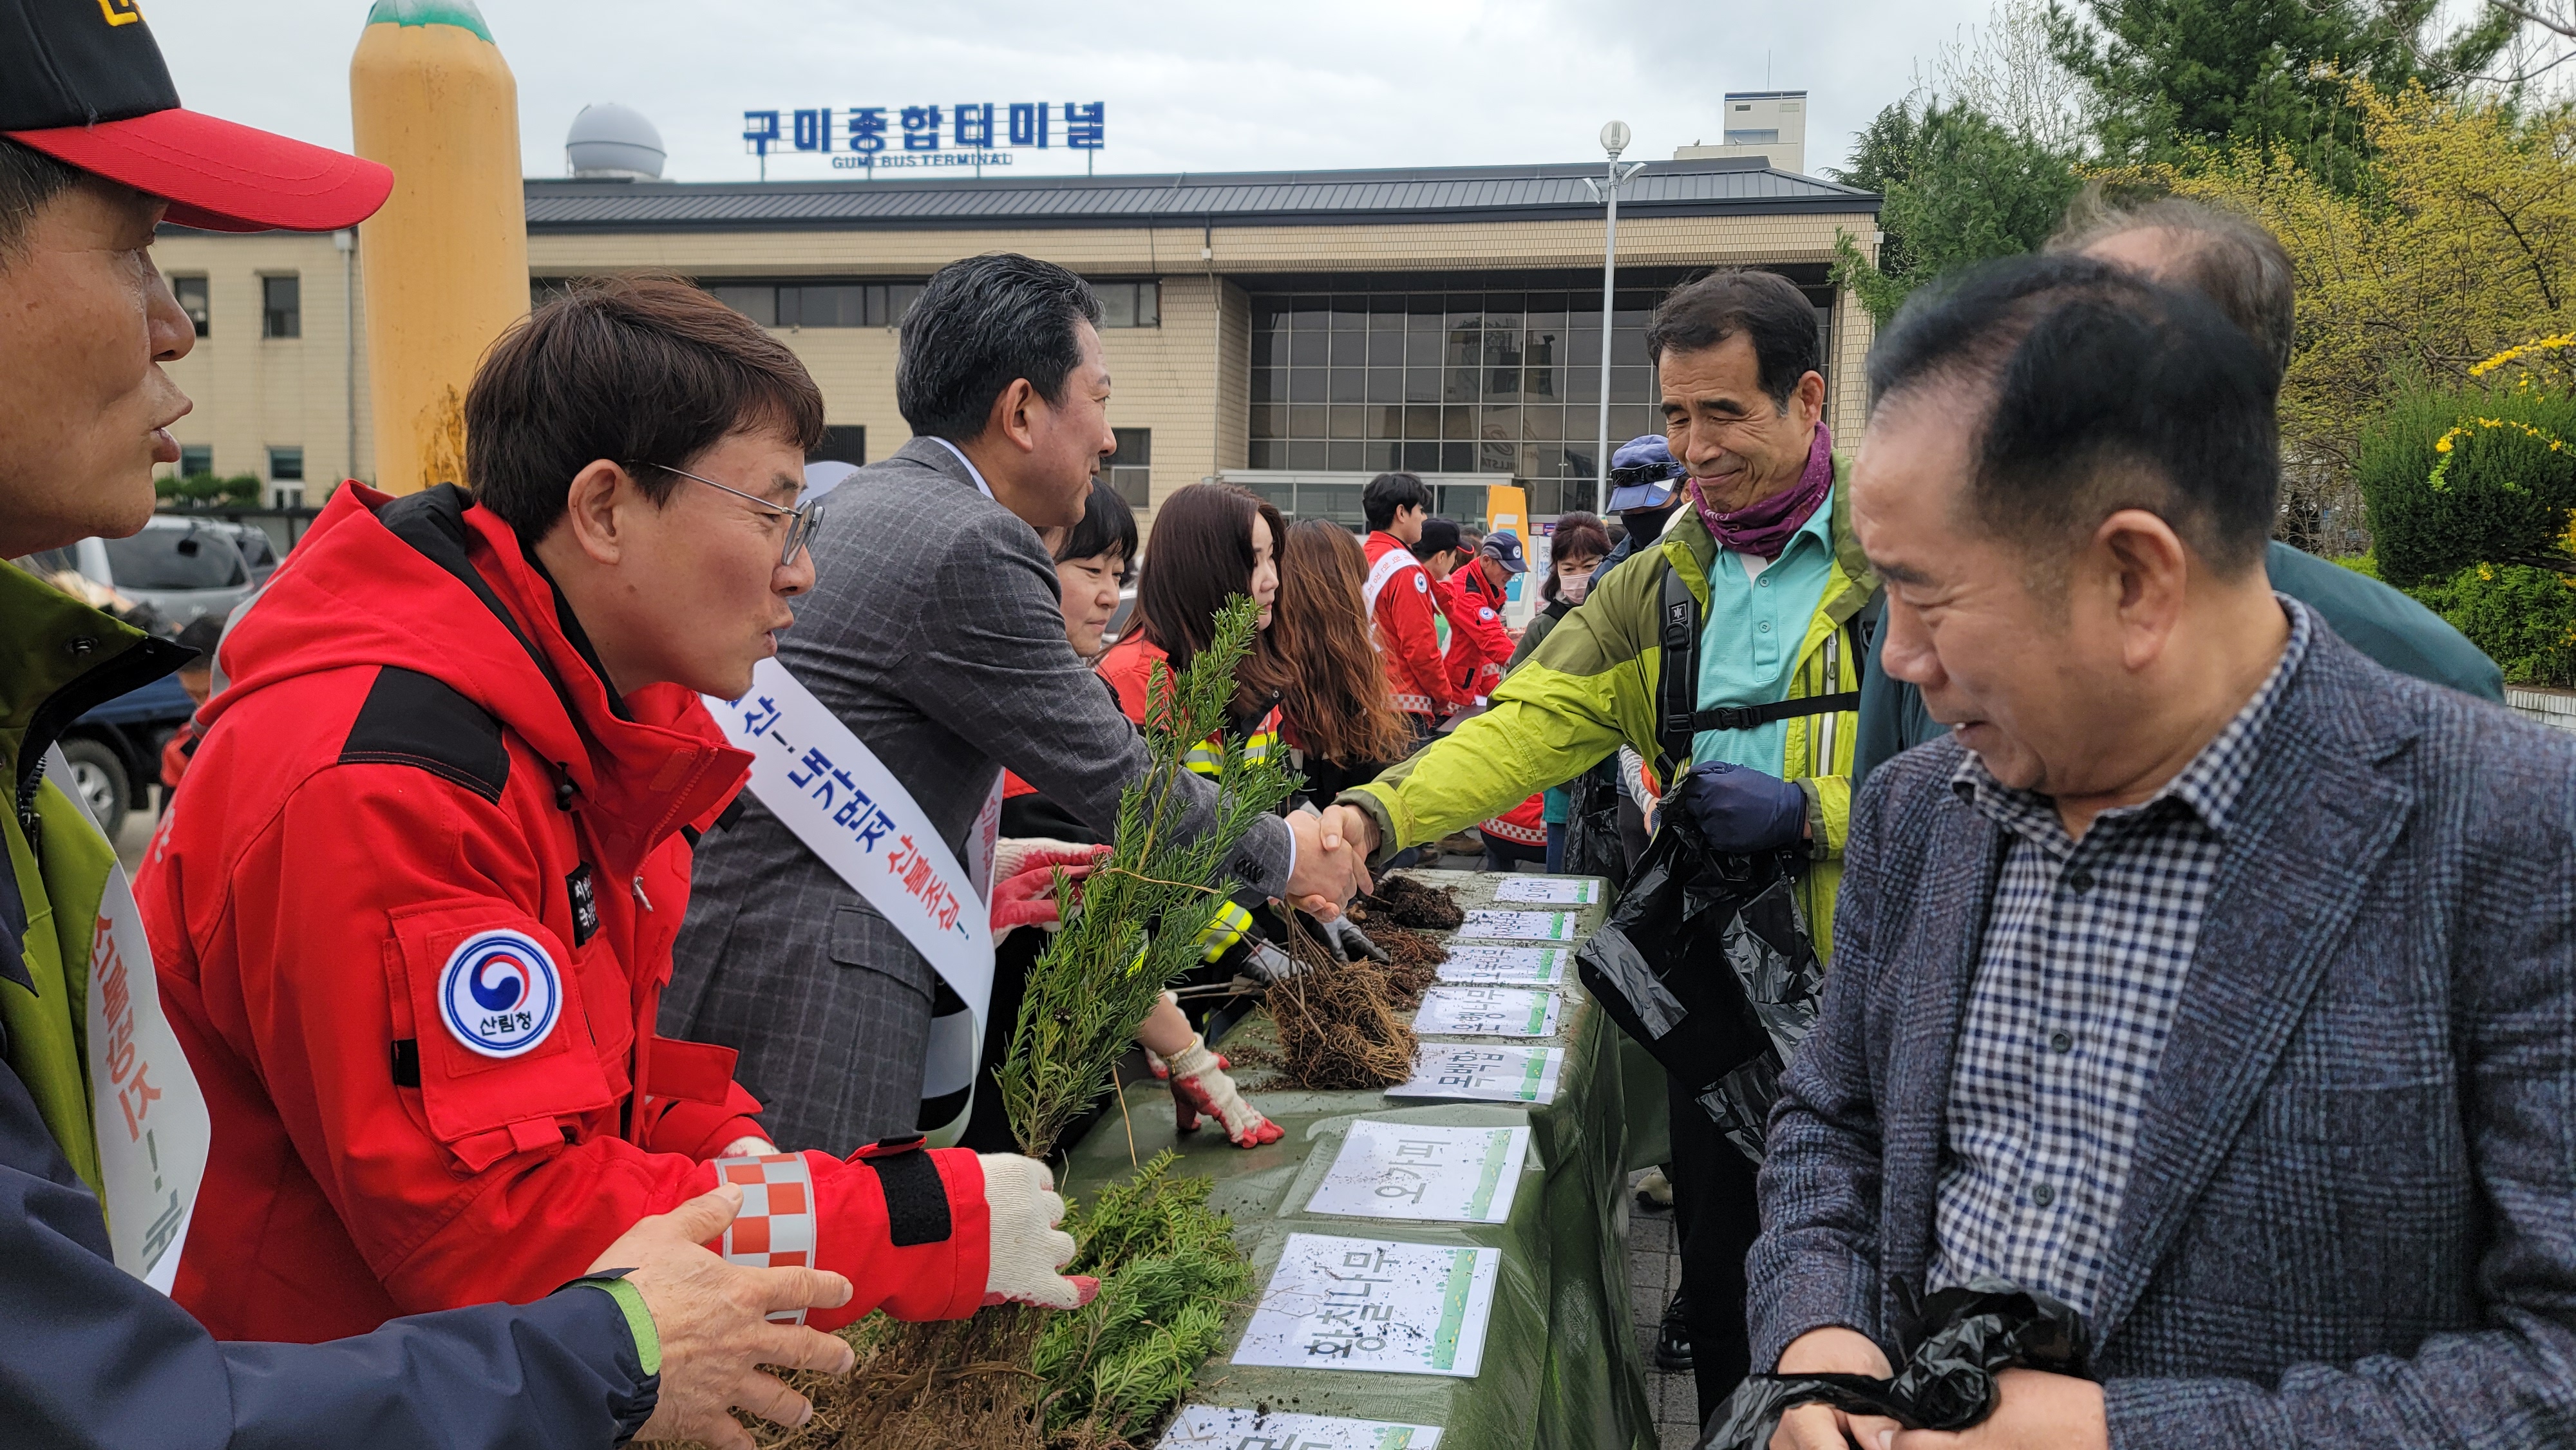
1614	139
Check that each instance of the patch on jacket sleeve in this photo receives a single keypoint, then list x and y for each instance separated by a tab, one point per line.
499	993
413	719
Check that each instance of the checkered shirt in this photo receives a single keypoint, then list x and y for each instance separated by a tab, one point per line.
2086	952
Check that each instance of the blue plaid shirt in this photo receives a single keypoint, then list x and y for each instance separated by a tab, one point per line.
2085	958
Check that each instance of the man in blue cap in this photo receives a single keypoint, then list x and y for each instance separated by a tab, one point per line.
1479	643
1645	488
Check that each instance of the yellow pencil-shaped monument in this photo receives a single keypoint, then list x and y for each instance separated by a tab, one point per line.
447	259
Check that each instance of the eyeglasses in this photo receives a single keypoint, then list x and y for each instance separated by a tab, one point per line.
801	520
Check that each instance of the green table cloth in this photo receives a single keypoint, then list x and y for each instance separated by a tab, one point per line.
1561	1368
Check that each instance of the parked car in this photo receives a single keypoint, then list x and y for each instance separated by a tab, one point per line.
182	567
115	749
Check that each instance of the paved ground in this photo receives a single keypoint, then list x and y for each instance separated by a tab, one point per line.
1654	1271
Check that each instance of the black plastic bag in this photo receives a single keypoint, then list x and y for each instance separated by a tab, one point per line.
1706	961
1592	825
1961	1338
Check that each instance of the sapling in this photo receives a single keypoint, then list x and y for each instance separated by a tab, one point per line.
1137	923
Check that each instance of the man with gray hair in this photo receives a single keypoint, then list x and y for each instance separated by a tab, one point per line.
2239	266
2210	978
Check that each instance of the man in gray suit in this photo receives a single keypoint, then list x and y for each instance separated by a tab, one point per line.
934	633
2210	977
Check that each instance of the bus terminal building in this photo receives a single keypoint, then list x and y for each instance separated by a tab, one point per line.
1296	332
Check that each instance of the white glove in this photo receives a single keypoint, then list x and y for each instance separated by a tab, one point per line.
1027	1249
1011	851
1200	1086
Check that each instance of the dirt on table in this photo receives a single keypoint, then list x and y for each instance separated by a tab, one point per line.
1403	901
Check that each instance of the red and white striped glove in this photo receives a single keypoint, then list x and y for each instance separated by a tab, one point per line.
1200	1087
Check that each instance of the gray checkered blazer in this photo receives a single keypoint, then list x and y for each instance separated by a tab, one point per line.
2352	1218
935	634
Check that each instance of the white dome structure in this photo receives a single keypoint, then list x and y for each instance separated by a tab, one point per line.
609	141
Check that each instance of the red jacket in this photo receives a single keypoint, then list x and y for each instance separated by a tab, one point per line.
1479	645
1402	615
390	780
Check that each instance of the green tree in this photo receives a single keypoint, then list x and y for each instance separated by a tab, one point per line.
1959	188
2179	77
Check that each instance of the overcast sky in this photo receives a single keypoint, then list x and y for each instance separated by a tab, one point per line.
1316	83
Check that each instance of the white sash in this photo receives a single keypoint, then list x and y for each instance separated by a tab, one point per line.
1389	564
851	812
145	1110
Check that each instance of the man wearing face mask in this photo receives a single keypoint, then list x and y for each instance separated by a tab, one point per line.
1761	557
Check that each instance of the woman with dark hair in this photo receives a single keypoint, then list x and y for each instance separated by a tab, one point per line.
1577	547
1339	714
1212	541
1091	563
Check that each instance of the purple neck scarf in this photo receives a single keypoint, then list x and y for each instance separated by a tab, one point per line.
1763	528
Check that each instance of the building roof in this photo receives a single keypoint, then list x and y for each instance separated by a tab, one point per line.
1717	187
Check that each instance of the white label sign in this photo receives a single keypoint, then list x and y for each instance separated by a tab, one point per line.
1476	1073
1424	1171
1520	966
1556	926
1370	1304
1550	890
1486	1012
1209	1427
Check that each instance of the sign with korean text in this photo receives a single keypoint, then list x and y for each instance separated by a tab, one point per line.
1553	926
1550	890
962	133
148	1117
1486	1012
1488	962
1424	1171
1474	1072
1371	1304
1211	1427
832	793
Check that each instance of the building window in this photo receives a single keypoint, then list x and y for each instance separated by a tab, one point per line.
1764	137
196	459
1129	304
191	292
286	465
281	306
760	304
842	443
1129	469
1453	374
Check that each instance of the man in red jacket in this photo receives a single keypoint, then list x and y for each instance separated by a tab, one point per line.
1479	643
1402	611
413	911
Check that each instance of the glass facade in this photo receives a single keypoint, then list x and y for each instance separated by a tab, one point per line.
1494	373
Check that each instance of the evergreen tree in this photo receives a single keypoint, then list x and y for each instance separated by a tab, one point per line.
2176	76
1959	188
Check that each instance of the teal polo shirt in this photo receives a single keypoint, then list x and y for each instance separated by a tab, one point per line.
1748	649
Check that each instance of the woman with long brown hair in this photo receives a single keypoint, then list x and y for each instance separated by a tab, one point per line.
1339	708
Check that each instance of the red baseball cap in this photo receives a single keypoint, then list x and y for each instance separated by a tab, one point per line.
83	82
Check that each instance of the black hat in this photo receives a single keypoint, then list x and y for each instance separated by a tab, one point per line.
83	82
1437	534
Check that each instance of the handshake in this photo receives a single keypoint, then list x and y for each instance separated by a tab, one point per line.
1333	849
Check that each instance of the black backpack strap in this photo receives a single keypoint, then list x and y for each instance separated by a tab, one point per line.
1745	717
1677	692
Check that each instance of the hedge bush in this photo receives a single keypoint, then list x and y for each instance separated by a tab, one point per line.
241	490
2504	496
2524	617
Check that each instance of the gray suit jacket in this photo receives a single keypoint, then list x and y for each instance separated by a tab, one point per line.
2352	1218
935	634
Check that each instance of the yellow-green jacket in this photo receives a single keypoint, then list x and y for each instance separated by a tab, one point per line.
1590	688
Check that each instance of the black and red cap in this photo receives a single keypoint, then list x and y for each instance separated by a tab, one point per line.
83	82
